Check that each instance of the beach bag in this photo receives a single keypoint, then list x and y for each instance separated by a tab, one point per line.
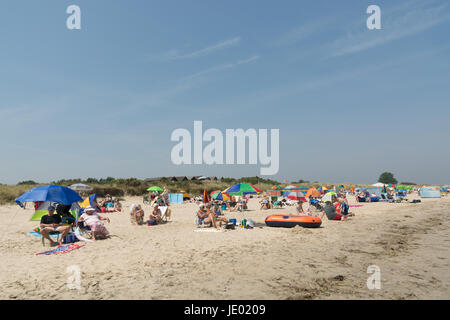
70	238
249	224
230	225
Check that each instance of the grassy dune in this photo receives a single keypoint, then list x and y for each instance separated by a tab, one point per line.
136	187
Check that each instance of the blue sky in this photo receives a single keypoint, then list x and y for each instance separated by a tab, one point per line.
102	101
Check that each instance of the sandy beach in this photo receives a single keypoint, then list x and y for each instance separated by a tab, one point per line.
410	243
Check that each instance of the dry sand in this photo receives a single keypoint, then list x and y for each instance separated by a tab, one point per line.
409	242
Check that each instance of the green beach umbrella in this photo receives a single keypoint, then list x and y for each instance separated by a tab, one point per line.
155	188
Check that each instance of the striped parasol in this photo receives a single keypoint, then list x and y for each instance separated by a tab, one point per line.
296	195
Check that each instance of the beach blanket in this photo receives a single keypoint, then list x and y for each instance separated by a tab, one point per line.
208	230
62	249
38	235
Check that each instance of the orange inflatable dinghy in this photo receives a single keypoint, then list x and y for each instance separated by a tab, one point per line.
289	221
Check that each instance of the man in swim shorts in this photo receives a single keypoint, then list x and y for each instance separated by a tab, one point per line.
53	223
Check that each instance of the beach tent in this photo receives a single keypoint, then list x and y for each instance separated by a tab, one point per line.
42	210
175	198
89	201
430	192
312	192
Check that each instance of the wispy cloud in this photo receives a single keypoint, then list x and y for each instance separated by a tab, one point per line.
397	23
300	33
176	55
222	67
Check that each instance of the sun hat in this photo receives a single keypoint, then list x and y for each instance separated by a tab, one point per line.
89	209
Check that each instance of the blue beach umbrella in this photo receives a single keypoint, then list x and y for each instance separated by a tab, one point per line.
50	193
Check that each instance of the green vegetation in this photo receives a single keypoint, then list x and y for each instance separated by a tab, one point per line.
387	178
135	187
27	183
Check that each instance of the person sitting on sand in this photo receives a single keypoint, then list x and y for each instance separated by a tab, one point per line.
136	214
117	205
52	223
330	210
203	216
215	217
241	204
155	214
264	203
217	210
344	207
93	220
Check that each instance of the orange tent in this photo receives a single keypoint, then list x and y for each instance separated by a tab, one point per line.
312	192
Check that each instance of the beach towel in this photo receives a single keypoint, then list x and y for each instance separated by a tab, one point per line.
208	230
80	237
38	235
62	249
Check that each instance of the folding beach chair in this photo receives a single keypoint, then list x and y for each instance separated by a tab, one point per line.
166	215
51	234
